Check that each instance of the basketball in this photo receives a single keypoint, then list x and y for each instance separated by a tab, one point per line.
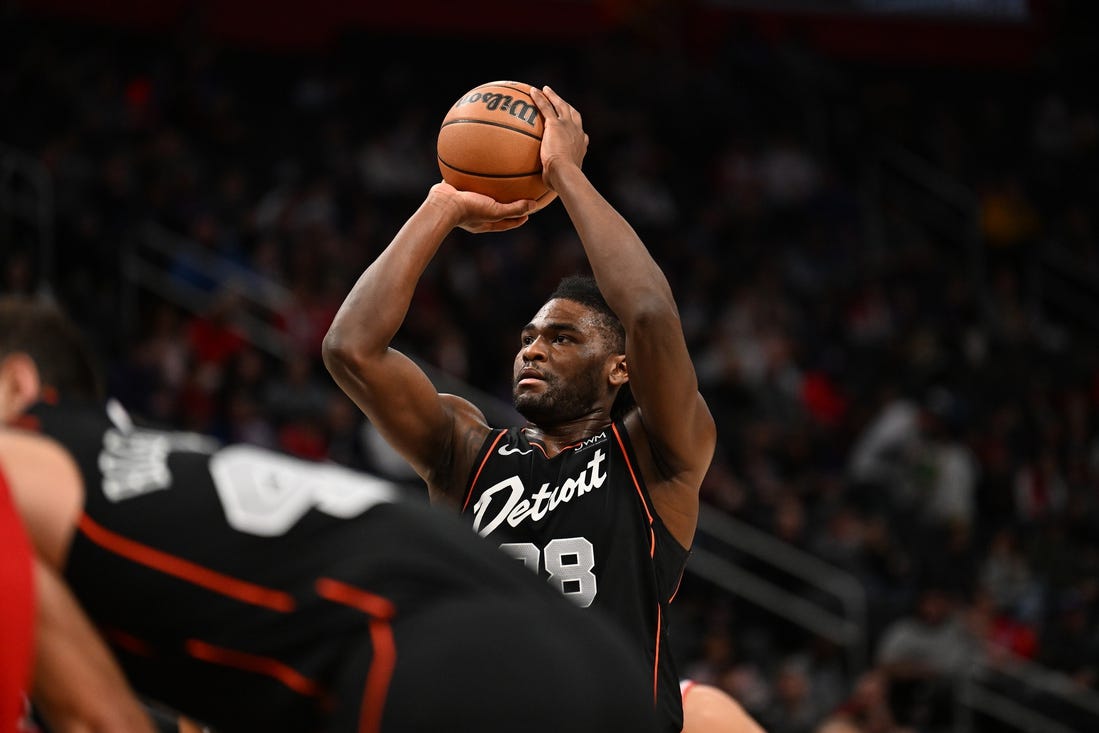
489	142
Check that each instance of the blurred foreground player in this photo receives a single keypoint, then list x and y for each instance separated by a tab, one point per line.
255	592
77	684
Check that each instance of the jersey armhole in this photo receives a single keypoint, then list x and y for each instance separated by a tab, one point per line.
487	447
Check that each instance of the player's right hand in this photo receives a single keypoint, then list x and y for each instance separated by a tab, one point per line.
477	213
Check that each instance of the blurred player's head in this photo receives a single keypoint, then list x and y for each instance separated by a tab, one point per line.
42	355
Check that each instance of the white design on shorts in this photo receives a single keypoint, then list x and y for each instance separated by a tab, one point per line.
134	461
262	492
266	493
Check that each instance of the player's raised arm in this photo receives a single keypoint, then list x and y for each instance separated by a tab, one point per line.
673	416
390	388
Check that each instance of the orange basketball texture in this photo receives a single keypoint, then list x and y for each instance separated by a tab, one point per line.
489	142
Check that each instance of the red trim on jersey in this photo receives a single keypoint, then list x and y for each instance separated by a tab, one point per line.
372	605
480	468
377	680
380	610
678	584
17	612
656	655
652	554
185	570
537	443
273	668
637	488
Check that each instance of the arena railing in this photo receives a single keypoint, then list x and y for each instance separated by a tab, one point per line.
1067	288
908	199
722	537
153	260
1024	696
148	262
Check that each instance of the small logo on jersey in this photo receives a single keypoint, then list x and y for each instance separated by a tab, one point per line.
505	451
593	440
500	502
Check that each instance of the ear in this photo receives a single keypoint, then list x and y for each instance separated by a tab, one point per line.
620	372
20	385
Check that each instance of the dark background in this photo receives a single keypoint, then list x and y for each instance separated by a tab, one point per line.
878	219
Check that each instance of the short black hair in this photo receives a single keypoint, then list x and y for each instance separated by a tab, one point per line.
38	328
583	289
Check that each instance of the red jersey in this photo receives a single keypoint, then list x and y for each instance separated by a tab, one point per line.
16	612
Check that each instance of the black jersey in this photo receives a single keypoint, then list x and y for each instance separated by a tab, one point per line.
255	591
584	521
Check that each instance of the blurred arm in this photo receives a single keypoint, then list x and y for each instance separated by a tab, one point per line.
78	686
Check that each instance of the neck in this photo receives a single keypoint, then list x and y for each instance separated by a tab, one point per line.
557	436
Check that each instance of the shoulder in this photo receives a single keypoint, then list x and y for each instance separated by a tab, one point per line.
468	432
682	454
468	424
47	488
23	451
463	411
674	492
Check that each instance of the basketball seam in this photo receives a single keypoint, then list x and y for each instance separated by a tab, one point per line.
499	176
518	87
490	123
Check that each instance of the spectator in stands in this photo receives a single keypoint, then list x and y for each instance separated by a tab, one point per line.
923	654
792	709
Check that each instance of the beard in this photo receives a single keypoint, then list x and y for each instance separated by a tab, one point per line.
558	401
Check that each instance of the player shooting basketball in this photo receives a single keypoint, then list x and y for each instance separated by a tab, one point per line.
595	492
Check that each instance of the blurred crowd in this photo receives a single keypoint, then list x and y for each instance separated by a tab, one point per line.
916	404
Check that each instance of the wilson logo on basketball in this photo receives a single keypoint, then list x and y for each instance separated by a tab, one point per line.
490	142
492	101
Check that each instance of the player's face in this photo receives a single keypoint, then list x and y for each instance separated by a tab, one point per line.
558	371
